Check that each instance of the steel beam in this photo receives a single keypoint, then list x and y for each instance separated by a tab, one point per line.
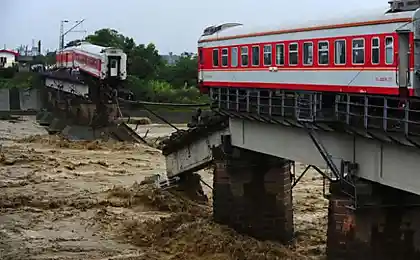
384	163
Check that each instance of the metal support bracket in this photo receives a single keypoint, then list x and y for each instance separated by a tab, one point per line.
343	174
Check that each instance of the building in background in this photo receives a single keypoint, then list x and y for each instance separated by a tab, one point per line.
171	59
26	50
8	58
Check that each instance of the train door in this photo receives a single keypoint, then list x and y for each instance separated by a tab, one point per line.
67	59
201	71
416	52
200	64
403	61
114	66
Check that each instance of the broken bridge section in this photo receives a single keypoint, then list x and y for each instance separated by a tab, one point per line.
374	189
119	131
251	191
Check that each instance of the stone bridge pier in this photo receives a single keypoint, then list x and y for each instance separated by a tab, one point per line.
385	225
252	194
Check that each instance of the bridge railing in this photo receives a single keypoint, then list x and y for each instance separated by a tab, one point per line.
389	114
369	113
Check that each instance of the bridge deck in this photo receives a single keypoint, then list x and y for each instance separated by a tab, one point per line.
385	163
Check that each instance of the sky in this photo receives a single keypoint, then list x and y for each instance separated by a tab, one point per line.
172	25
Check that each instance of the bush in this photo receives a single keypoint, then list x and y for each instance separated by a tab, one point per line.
21	80
162	91
8	73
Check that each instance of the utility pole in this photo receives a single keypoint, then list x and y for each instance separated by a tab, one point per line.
63	34
60	39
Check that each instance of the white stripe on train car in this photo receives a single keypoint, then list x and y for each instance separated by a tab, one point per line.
337	77
308	35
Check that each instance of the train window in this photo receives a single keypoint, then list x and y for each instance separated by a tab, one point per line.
113	64
375	50
389	50
323	53
340	52
267	55
358	51
308	53
255	55
200	56
244	56
215	57
280	54
293	54
225	57
234	57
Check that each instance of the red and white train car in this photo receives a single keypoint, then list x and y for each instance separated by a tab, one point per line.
374	53
99	62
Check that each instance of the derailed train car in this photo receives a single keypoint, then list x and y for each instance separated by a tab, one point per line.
97	61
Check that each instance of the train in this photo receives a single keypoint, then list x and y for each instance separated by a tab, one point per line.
376	53
97	61
84	85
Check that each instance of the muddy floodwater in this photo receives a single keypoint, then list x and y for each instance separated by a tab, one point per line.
82	200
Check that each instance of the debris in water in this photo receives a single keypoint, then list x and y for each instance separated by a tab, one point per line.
189	232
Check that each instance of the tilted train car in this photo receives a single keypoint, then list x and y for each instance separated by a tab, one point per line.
375	53
97	61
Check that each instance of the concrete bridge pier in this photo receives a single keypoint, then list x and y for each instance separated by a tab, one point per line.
386	225
252	194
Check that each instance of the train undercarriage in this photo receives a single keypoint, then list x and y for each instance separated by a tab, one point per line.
252	191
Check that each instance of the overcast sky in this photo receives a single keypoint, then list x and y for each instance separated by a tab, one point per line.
173	25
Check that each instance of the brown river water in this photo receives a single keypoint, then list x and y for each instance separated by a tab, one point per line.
63	199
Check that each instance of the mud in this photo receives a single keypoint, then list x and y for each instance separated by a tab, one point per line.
63	199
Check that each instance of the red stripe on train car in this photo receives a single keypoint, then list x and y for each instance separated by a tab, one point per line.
288	69
309	87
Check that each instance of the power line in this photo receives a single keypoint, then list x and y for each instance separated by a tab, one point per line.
163	104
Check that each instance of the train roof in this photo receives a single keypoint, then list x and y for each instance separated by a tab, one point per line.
89	48
237	30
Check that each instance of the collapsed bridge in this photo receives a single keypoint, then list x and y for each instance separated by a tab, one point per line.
341	97
82	92
357	125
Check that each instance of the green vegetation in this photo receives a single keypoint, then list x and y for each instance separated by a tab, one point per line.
151	78
10	78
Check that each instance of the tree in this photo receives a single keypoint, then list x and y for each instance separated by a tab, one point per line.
111	38
129	45
107	38
50	58
183	74
145	62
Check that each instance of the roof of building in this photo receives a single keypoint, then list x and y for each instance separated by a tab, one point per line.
10	52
